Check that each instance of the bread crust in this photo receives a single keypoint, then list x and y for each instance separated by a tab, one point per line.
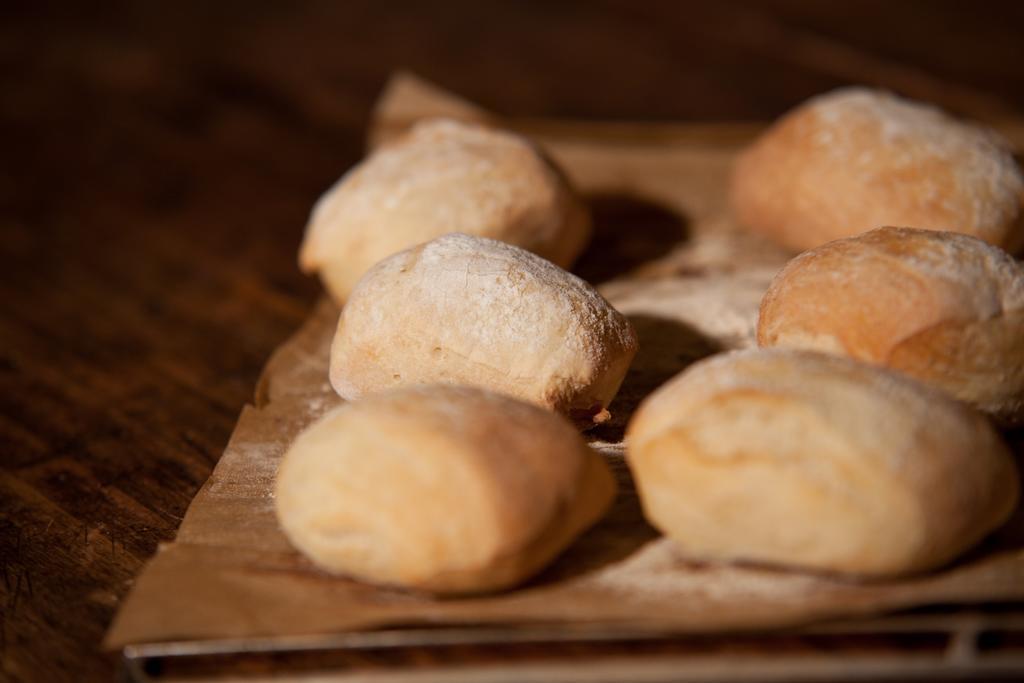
442	176
809	460
856	159
945	308
470	310
440	489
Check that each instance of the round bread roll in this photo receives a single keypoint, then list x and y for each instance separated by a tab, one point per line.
945	308
442	176
442	489
475	311
809	460
854	159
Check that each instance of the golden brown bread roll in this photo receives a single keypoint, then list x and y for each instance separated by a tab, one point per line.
855	159
809	460
442	489
475	311
442	176
945	308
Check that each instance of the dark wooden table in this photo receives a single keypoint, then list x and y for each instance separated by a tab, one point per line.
159	161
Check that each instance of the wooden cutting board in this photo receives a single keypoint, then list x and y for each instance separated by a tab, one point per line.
667	254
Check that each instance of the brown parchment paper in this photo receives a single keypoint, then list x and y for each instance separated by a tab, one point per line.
666	253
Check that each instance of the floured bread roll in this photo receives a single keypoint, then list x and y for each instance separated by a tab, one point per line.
945	308
470	310
442	489
855	159
810	460
442	176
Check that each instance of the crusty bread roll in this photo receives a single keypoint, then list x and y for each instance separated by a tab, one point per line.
854	159
442	176
442	489
470	310
810	460
945	308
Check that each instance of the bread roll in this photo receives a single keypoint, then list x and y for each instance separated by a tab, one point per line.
443	176
809	460
855	159
441	489
945	308
470	310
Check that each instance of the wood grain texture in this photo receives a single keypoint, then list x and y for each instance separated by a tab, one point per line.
159	163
